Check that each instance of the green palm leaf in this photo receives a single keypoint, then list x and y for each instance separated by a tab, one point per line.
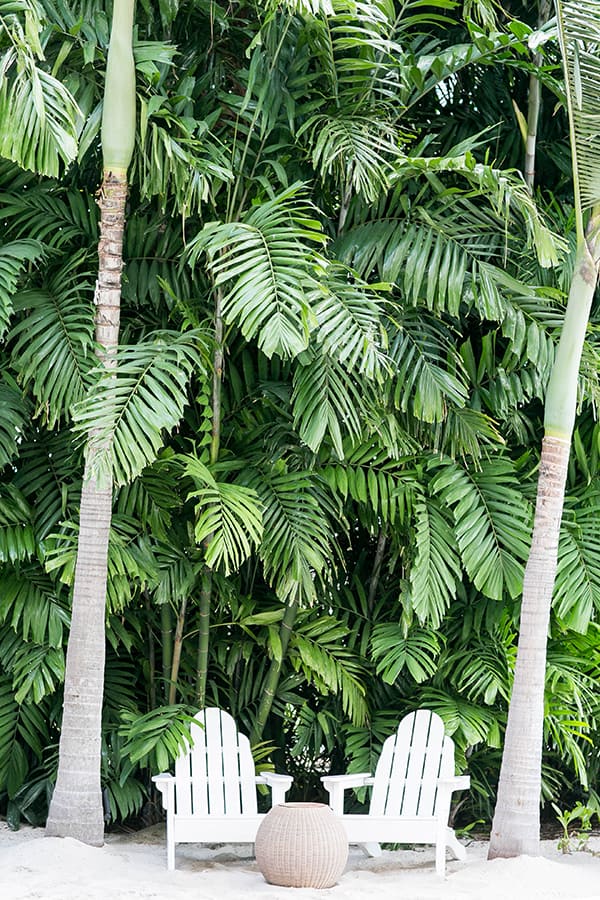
14	257
266	266
53	344
17	539
14	414
492	523
29	605
36	670
325	402
436	567
23	731
394	651
229	518
126	414
298	545
429	373
39	115
579	34
577	589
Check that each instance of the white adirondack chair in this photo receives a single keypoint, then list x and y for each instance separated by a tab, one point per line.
412	788
212	796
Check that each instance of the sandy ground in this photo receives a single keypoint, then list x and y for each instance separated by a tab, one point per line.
133	867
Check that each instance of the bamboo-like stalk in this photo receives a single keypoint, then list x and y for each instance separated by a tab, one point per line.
166	639
205	599
274	673
534	103
177	648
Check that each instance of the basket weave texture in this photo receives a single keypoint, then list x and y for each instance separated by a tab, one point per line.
301	845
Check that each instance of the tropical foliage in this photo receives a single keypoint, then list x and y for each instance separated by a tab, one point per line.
340	307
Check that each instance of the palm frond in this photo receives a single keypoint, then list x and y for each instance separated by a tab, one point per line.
299	544
53	343
325	402
394	651
436	568
350	324
127	413
30	606
17	538
36	670
492	523
14	256
579	35
39	113
355	151
14	414
23	732
229	518
266	266
577	592
429	374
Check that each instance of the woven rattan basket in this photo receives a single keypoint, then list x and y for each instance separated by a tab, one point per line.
301	845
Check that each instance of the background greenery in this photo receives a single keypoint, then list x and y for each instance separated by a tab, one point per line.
327	527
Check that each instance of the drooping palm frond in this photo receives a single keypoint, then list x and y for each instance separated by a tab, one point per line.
133	408
579	35
325	401
14	414
38	112
577	590
436	568
47	213
355	150
17	538
36	670
30	605
492	522
350	319
429	374
317	647
53	343
394	651
23	732
229	517
299	545
266	265
14	256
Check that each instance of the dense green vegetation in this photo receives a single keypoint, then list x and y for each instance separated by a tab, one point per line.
340	307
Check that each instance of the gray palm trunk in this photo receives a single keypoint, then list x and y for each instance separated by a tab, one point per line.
516	823
76	809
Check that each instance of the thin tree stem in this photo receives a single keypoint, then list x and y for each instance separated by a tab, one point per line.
273	675
177	647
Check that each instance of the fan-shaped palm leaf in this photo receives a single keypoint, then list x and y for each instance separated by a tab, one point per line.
29	605
577	588
394	651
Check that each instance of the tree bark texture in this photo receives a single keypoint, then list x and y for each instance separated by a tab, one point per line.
516	824
76	808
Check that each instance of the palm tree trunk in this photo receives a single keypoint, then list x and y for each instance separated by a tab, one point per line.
166	640
76	807
516	824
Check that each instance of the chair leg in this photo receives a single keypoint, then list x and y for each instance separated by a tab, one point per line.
440	857
455	845
371	848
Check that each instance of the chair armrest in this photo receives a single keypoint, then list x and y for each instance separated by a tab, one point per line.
165	783
335	785
356	779
457	783
279	784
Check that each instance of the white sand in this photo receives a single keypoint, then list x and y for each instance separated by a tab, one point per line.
134	868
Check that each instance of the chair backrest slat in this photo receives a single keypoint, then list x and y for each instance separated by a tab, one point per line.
217	774
411	761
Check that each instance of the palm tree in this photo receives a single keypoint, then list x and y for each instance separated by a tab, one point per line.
516	824
76	809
